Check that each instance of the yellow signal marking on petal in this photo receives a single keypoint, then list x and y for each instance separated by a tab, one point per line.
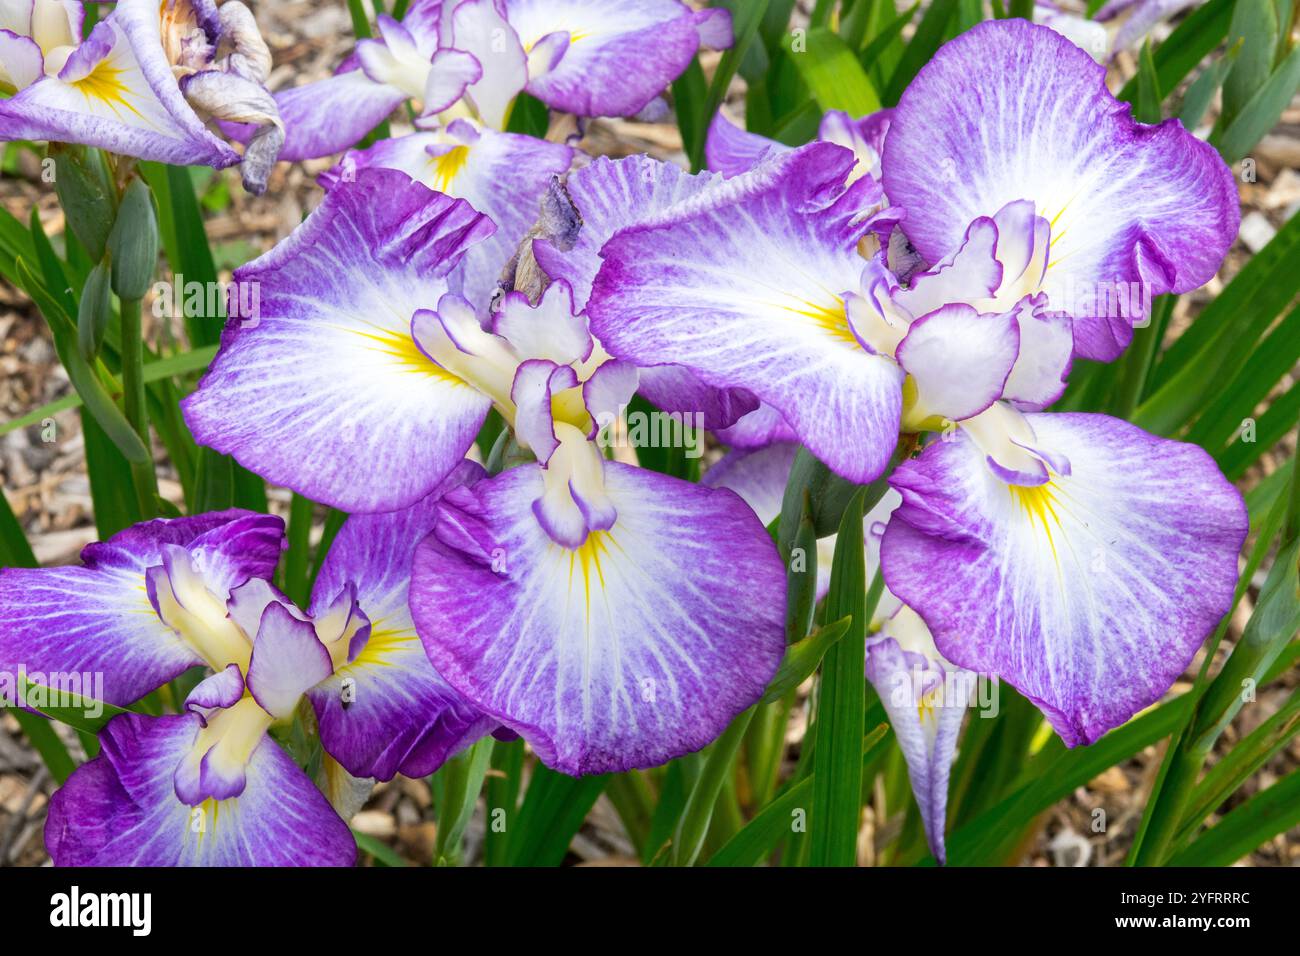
105	83
832	320
381	644
587	556
1039	503
574	37
925	706
447	167
205	818
409	358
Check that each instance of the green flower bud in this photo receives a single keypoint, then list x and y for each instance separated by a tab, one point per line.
95	310
86	194
133	243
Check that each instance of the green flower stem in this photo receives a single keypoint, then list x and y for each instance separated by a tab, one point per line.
137	414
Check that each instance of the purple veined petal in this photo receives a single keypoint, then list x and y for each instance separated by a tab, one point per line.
958	361
288	658
1134	210
21	61
328	116
731	150
611	195
756	429
550	330
480	29
502	175
121	808
712	285
127	101
98	621
675	389
1090	593
621	55
1046	356
758	475
216	692
387	711
926	699
536	382
636	648
324	389
227	547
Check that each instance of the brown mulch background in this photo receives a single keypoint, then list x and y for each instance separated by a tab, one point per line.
44	474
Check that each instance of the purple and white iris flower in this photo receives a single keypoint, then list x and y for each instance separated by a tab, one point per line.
582	603
143	84
470	59
1068	539
1015	111
210	786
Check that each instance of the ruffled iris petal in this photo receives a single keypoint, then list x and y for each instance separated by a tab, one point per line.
621	53
744	285
636	647
325	390
1090	593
